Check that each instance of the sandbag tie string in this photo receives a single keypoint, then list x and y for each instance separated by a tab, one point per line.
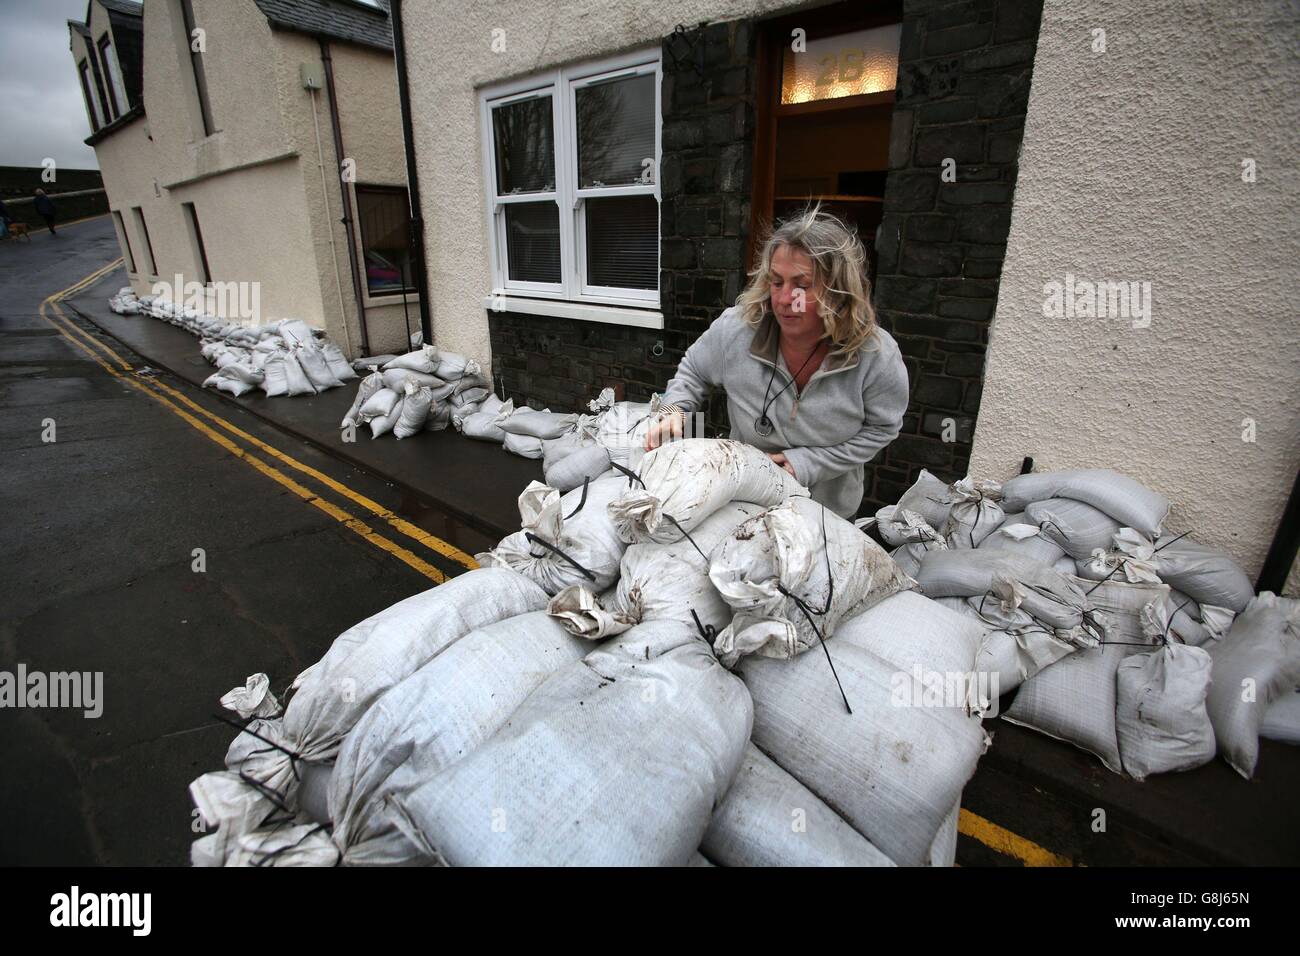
293	756
707	631
631	475
582	502
1121	562
534	539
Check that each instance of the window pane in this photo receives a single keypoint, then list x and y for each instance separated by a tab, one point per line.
525	146
616	132
533	241
623	242
384	217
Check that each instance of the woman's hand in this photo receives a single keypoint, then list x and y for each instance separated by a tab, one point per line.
664	429
781	460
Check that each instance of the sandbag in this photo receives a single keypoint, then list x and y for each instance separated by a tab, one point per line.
439	418
1077	528
1160	716
1119	497
363	364
893	768
525	446
1282	719
284	376
368	659
424	359
577	524
452	366
1207	575
791	565
483	425
1255	664
432	719
974	512
541	425
683	482
396	379
565	782
415	410
769	818
583	463
337	362
1074	699
316	368
621	427
1018	535
371	384
657	582
378	405
234	386
383	424
928	497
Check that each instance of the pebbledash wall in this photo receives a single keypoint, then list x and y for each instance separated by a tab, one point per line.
1131	170
964	78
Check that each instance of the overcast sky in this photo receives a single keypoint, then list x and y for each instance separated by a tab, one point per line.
41	110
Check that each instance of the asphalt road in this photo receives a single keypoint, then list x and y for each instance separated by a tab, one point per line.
97	575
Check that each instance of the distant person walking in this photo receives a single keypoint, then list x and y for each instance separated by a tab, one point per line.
45	207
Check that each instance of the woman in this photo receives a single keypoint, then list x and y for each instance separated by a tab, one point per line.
806	309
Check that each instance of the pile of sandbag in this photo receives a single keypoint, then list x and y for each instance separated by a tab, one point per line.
650	672
424	390
1120	637
286	357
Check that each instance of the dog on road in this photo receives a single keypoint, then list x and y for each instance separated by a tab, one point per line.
19	231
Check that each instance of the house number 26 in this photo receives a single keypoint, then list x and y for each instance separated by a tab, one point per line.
844	67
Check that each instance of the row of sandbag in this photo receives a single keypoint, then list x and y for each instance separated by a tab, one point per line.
1125	638
427	389
283	358
459	779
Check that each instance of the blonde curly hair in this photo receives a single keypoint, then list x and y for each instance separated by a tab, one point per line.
840	272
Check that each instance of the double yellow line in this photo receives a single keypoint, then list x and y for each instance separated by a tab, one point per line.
104	356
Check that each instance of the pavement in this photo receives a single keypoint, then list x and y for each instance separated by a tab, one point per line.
1033	800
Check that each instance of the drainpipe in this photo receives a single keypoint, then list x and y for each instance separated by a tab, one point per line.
412	177
347	219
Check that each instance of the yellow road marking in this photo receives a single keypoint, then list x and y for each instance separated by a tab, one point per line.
347	520
398	523
1007	843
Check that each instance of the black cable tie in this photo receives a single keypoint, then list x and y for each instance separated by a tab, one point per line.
676	524
631	475
707	631
583	501
546	544
244	728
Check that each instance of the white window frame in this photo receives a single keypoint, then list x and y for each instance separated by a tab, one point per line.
561	85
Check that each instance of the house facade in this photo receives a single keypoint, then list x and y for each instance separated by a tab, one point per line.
256	142
594	178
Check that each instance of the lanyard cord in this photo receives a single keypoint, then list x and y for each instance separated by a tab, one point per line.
768	403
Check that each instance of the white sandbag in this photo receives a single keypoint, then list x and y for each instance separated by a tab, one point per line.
482	425
461	412
1074	699
468	396
396	379
1160	716
437	716
539	425
1119	497
791	565
1078	528
928	497
415	410
1282	719
683	482
770	819
234	386
439	418
525	446
379	404
565	782
383	424
577	524
337	362
369	385
893	768
297	382
296	332
1196	624
1018	535
452	366
276	377
586	462
622	428
368	659
943	851
1010	656
1014	583
975	512
900	527
1257	663
317	369
1207	575
363	364
424	359
228	808
657	582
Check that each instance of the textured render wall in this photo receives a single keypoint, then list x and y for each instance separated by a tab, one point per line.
449	56
1131	169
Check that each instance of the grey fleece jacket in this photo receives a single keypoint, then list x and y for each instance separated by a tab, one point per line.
850	409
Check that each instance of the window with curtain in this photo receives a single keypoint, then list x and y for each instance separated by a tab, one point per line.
573	184
83	68
384	213
116	90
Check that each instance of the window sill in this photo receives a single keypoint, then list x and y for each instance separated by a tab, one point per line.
608	314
